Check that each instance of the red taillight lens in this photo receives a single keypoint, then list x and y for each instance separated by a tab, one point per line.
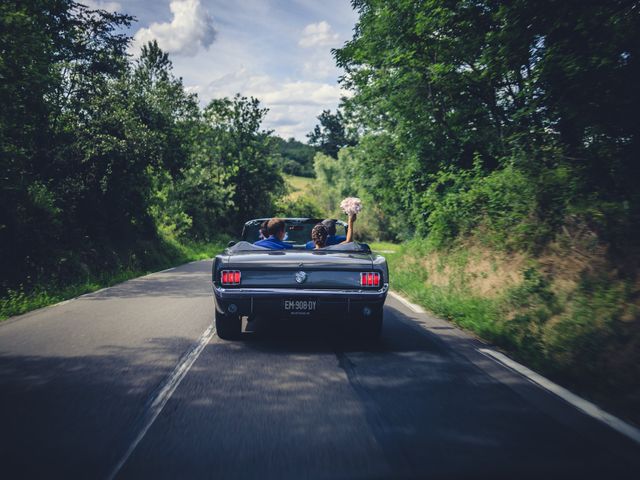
370	279
230	277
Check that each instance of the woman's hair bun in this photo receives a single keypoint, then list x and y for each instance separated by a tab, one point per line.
319	234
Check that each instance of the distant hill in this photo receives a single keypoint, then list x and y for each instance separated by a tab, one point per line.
296	157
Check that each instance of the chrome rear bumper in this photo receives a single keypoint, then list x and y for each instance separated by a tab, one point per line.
249	300
324	293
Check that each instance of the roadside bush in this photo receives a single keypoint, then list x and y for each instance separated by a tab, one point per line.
565	312
500	208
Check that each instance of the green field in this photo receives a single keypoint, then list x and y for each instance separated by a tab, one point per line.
297	186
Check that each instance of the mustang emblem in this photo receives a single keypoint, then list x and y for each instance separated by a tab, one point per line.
301	277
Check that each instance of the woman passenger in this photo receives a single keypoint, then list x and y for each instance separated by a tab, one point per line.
319	233
319	236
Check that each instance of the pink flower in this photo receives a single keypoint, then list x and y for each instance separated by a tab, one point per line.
351	205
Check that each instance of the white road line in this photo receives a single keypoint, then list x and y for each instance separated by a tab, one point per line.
407	303
164	394
63	302
165	270
580	403
79	296
94	292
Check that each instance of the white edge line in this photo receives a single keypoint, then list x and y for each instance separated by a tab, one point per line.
407	303
165	270
69	300
164	394
580	403
61	303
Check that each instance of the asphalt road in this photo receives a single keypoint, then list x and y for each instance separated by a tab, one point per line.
78	383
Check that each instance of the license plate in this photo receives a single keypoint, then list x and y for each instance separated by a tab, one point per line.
300	307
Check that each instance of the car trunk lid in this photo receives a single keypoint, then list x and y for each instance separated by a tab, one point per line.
302	270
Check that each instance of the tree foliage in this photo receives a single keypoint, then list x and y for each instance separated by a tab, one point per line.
541	87
102	155
331	134
296	158
247	153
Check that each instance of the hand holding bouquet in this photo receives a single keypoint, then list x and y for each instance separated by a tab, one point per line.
351	206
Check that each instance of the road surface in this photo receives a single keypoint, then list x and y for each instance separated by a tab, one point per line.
80	384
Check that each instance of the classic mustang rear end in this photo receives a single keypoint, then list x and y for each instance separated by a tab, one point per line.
344	281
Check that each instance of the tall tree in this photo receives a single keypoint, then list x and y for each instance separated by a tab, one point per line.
331	134
540	83
236	140
56	58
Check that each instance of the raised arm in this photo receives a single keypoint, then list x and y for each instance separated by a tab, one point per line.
350	223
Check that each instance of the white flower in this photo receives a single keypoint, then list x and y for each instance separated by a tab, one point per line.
351	205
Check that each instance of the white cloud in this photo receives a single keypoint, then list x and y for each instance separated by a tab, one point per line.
102	5
270	91
318	35
302	93
293	105
273	50
320	67
190	30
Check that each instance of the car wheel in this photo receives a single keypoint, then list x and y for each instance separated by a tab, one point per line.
372	326
228	327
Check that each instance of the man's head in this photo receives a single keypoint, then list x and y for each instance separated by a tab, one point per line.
330	225
276	227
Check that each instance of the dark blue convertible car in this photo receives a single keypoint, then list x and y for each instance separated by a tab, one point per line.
346	282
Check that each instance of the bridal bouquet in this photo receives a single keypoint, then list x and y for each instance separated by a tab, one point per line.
351	205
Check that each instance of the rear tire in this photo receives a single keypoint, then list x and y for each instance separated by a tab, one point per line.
228	327
372	327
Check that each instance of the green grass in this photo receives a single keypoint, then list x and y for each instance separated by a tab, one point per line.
386	249
452	302
581	335
18	302
297	186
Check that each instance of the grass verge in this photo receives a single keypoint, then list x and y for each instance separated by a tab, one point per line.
572	319
169	254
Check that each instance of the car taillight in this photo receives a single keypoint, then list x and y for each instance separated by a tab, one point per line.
370	279
230	277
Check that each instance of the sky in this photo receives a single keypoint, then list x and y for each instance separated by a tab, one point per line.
276	50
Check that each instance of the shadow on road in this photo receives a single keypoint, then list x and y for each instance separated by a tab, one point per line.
290	335
73	416
192	280
291	401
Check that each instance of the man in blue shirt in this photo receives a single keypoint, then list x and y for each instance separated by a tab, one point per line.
332	238
276	232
